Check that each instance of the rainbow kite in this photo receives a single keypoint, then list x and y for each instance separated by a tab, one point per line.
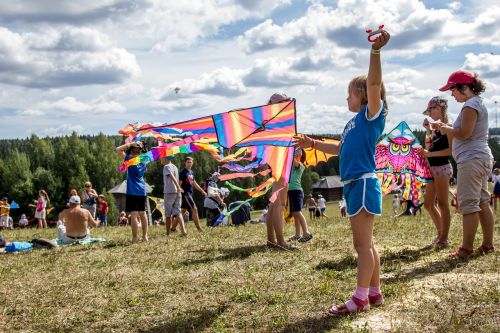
263	136
400	163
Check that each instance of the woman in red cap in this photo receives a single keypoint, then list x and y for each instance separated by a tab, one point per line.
474	160
437	150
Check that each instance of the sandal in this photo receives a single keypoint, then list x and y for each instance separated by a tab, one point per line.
287	247
376	300
271	245
342	310
442	244
485	249
431	245
461	253
276	246
305	238
293	238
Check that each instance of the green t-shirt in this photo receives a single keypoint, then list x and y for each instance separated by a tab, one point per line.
296	177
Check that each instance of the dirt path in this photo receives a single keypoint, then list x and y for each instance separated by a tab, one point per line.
420	291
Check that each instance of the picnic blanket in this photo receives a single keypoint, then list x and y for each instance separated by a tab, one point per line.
85	241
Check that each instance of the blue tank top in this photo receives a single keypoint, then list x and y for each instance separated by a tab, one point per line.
360	136
135	180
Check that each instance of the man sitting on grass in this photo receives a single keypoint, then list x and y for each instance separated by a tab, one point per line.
73	224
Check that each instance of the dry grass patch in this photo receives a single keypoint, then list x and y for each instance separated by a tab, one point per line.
227	280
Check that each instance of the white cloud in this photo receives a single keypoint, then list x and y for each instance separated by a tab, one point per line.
301	33
276	72
72	105
31	112
222	81
322	118
403	75
185	104
64	129
311	54
415	28
487	65
174	24
410	22
405	92
325	58
483	29
455	5
124	92
71	57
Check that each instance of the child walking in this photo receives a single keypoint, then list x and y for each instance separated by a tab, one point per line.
366	98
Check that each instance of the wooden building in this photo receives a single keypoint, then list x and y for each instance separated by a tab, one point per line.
330	187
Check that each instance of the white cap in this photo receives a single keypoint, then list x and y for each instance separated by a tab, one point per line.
215	174
75	199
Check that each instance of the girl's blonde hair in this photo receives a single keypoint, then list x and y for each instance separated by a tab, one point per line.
359	86
42	192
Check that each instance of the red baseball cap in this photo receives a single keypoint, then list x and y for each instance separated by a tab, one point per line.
458	77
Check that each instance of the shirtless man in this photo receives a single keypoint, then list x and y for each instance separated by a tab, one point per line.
311	206
73	224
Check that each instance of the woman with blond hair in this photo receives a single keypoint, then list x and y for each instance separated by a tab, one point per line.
437	150
41	208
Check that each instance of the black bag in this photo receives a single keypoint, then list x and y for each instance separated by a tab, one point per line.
43	242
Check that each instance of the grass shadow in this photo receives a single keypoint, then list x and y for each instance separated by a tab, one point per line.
324	323
195	320
241	252
348	262
404	255
444	265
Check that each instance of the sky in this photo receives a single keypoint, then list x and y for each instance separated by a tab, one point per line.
96	65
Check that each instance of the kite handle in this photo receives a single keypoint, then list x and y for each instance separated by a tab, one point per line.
377	32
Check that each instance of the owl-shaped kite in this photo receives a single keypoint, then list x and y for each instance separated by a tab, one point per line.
400	163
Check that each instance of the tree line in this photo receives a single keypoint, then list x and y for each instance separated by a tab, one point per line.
58	164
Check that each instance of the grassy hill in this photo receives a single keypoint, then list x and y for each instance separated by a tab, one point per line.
227	280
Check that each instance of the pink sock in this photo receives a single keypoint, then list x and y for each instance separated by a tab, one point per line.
360	293
374	291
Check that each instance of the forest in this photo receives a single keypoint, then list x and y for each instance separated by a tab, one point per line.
59	164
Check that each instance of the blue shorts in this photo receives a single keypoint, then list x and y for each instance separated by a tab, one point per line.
296	200
103	218
363	193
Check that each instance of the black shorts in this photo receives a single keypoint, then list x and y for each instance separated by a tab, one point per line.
296	200
188	202
135	203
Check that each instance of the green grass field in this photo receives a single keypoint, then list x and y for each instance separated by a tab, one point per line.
227	280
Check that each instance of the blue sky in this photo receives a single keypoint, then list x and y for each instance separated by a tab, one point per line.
98	65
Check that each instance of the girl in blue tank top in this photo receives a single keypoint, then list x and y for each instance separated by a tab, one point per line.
356	150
